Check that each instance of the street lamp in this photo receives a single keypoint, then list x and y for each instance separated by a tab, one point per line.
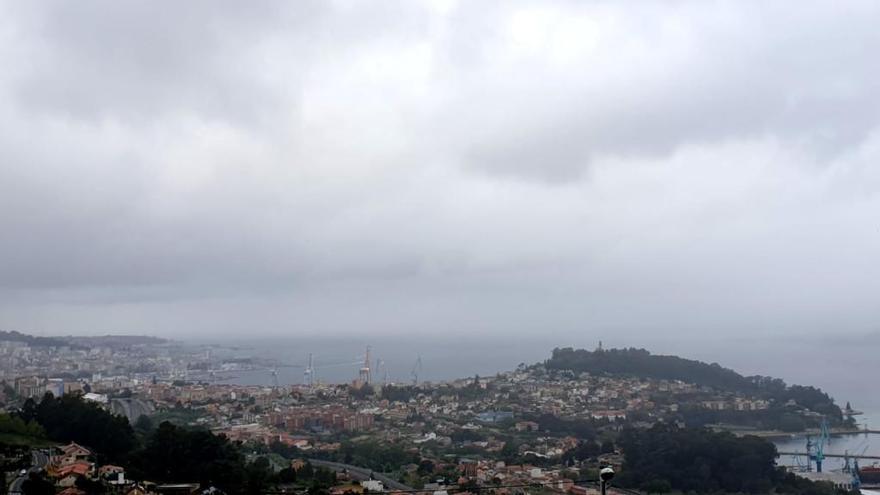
605	475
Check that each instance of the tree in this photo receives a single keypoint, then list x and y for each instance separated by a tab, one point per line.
399	393
284	450
36	484
470	485
362	392
144	424
307	471
258	474
581	428
287	475
70	418
17	426
510	451
426	467
375	456
28	410
584	450
656	486
703	461
174	454
90	486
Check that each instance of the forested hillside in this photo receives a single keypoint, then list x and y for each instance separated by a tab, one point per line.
641	363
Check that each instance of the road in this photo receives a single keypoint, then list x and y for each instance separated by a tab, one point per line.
39	459
360	473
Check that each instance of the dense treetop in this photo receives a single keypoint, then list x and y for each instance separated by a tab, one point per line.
641	363
172	454
72	419
696	459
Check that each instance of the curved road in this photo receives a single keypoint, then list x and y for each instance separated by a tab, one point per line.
39	459
360	473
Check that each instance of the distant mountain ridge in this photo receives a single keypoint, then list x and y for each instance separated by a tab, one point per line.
75	341
31	340
116	340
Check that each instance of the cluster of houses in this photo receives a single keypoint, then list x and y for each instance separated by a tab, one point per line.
71	465
72	470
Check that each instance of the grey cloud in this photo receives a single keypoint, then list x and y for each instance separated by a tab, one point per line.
206	166
138	60
797	75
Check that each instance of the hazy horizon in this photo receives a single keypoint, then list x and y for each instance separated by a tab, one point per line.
686	171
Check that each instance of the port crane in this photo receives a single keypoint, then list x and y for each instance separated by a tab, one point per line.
816	450
274	374
852	468
380	366
309	373
416	370
854	465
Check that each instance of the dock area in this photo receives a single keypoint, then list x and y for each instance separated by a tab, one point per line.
837	456
782	434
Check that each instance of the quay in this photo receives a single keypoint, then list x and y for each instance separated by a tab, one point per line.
781	434
839	456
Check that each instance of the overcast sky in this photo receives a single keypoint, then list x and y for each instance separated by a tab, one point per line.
538	168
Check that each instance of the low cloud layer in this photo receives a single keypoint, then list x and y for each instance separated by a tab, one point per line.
388	168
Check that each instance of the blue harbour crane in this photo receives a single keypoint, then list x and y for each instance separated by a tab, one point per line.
416	370
856	481
816	450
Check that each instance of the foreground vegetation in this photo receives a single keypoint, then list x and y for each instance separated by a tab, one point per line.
163	454
667	457
72	419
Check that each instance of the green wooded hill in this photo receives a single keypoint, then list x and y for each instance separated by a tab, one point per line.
641	363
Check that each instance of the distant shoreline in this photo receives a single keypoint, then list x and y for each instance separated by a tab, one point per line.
777	434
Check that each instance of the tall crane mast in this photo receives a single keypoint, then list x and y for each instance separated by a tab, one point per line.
416	370
816	450
366	376
309	374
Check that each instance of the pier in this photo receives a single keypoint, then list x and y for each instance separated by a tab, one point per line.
782	434
839	456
